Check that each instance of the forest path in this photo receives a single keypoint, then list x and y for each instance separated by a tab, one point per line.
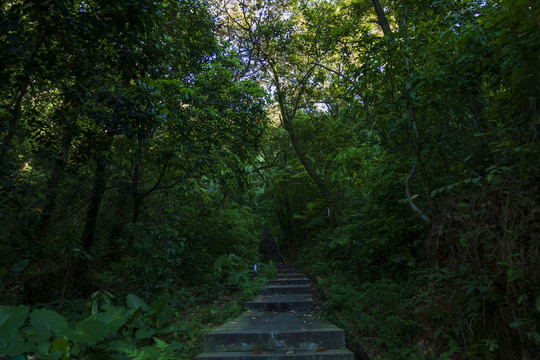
281	324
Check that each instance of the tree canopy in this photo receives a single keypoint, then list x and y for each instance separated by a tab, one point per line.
391	146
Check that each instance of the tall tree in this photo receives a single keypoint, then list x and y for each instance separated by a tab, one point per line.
293	46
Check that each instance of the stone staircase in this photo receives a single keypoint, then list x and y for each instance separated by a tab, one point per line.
280	324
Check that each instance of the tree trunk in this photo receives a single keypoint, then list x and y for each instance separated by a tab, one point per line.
118	222
381	17
52	184
89	232
137	196
319	182
14	109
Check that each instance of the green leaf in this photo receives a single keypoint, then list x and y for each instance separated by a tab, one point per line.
135	302
134	317
145	333
537	303
47	322
19	266
60	344
14	347
123	347
90	331
158	305
404	256
19	357
114	316
11	320
48	356
220	261
517	324
95	309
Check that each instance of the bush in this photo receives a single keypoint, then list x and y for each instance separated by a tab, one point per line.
382	312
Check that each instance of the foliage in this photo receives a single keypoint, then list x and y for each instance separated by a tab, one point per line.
107	109
113	330
145	144
162	329
383	310
433	118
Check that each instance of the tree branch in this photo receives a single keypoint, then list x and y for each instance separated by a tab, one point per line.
410	175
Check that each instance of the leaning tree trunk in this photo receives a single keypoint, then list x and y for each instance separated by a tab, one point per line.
312	172
321	184
381	17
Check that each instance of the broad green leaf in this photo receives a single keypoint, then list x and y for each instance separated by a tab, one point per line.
220	261
15	346
62	345
90	331
135	302
47	322
114	317
43	352
11	320
19	357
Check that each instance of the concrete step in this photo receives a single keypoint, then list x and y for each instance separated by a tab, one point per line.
291	275
286	267
286	289
289	281
288	270
281	302
318	354
268	331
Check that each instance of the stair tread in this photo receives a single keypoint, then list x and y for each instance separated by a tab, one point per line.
282	298
283	354
280	325
291	321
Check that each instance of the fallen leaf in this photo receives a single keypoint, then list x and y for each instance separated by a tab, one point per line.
320	350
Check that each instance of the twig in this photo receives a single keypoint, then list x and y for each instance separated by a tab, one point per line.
68	270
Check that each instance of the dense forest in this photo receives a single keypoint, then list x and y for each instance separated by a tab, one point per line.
392	148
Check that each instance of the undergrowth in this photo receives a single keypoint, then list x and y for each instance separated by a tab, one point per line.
170	326
380	313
